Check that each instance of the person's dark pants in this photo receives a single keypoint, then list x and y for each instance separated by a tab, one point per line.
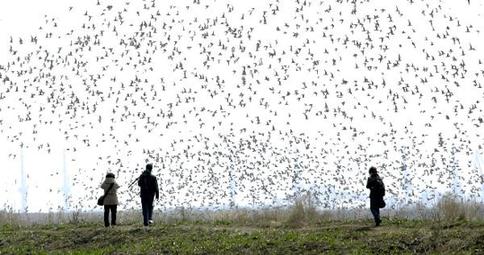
375	209
376	214
113	209
147	206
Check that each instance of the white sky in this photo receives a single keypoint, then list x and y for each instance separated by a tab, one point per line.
45	170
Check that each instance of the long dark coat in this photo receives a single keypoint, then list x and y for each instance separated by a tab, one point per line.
376	198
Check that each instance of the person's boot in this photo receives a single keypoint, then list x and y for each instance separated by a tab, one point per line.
377	222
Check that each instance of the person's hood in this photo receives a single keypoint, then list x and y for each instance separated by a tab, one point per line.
109	180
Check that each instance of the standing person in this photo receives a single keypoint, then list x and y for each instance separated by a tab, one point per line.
149	189
111	199
377	192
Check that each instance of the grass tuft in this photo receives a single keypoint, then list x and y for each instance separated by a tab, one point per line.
303	212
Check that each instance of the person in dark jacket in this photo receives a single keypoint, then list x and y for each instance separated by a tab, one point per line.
149	190
377	191
110	200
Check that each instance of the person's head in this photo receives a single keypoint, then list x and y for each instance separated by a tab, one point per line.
372	170
110	175
149	167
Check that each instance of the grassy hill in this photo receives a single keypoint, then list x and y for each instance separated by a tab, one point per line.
225	237
450	227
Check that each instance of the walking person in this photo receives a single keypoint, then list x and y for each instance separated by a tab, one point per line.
149	190
377	192
110	199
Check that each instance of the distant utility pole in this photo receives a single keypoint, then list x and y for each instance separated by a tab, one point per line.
478	168
66	186
456	189
407	186
296	175
23	182
231	184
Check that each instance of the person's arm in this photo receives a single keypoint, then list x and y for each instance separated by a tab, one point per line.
104	186
139	181
368	183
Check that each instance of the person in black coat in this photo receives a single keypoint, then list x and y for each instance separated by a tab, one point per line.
149	190
377	191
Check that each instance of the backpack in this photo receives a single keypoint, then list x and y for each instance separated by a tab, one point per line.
380	187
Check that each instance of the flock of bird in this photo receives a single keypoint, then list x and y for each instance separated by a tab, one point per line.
255	104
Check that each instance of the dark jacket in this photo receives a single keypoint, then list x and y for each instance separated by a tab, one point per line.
148	185
111	198
373	183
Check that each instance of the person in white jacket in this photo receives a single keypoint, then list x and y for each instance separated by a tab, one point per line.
111	199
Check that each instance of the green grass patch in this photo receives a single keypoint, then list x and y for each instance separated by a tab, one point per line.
221	237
